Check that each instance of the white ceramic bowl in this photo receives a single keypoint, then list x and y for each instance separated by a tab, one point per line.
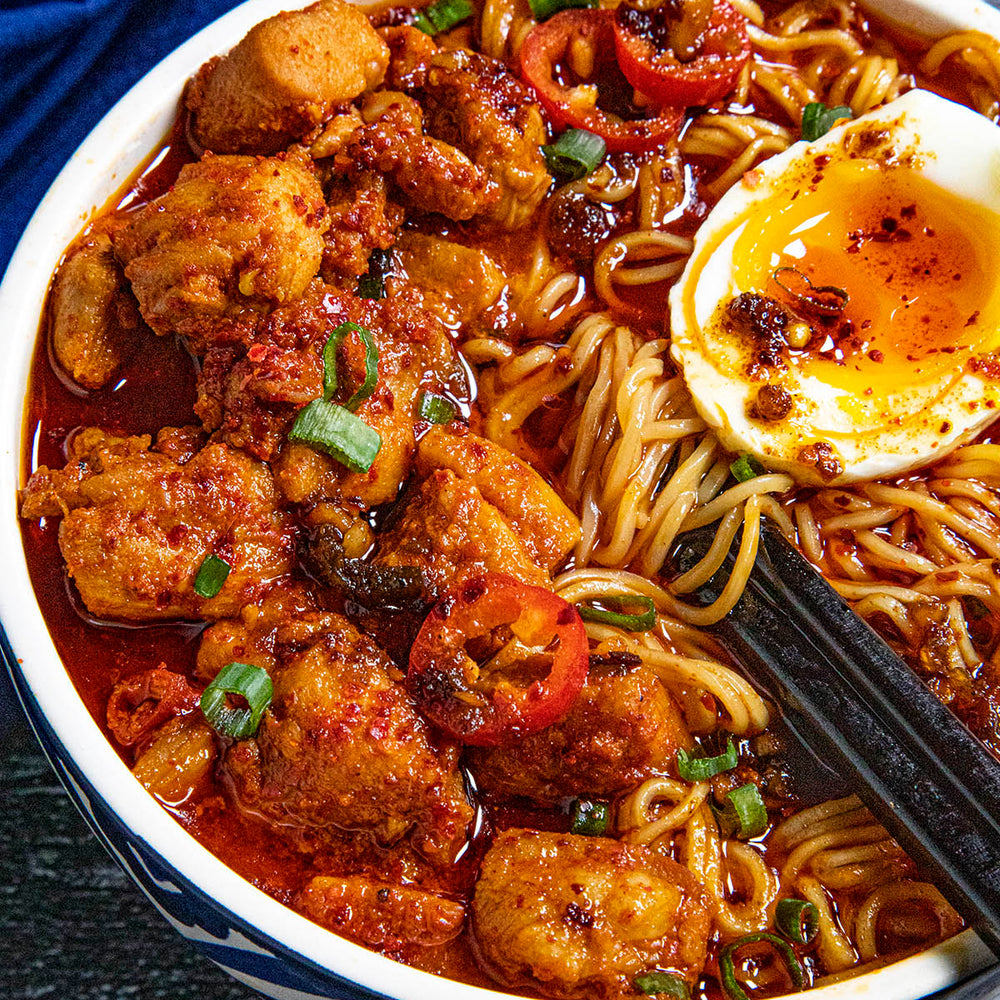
256	939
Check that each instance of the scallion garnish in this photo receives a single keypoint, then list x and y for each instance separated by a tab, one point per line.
701	768
745	812
544	9
745	468
797	919
574	154
246	680
338	432
372	284
330	364
818	119
590	818
442	16
659	982
436	409
727	963
212	574
616	611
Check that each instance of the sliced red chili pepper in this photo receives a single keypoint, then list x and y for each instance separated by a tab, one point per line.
497	659
645	57
602	104
142	702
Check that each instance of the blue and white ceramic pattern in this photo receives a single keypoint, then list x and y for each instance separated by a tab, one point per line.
251	936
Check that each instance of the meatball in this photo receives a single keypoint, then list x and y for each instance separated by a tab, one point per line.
289	74
342	748
623	728
582	916
234	237
138	526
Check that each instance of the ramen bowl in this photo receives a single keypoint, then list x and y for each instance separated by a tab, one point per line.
250	935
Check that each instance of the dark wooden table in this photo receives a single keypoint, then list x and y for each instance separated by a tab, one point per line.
72	925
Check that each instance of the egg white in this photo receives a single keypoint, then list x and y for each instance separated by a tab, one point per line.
919	415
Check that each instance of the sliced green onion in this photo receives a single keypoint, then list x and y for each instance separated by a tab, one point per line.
544	9
797	919
574	154
615	612
436	409
330	364
338	432
253	683
748	811
663	983
590	819
818	119
727	965
700	768
372	284
212	574
745	468
442	16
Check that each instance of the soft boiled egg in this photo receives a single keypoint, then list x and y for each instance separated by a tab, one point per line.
839	316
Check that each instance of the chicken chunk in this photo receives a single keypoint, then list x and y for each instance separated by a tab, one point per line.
288	75
623	728
432	175
362	219
343	748
234	237
285	622
380	914
253	400
582	916
476	104
137	526
548	528
95	320
449	532
456	283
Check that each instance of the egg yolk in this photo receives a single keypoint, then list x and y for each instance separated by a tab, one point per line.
917	263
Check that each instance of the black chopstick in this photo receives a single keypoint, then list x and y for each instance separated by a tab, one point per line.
849	697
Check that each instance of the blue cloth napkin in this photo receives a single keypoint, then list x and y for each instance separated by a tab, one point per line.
63	64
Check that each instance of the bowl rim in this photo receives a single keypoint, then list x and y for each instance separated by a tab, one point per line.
119	143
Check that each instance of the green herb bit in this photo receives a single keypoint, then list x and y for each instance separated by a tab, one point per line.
745	468
659	982
442	16
574	154
436	409
372	284
246	680
727	963
330	428
330	364
693	768
618	610
212	574
745	811
542	10
818	119
797	919
590	818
